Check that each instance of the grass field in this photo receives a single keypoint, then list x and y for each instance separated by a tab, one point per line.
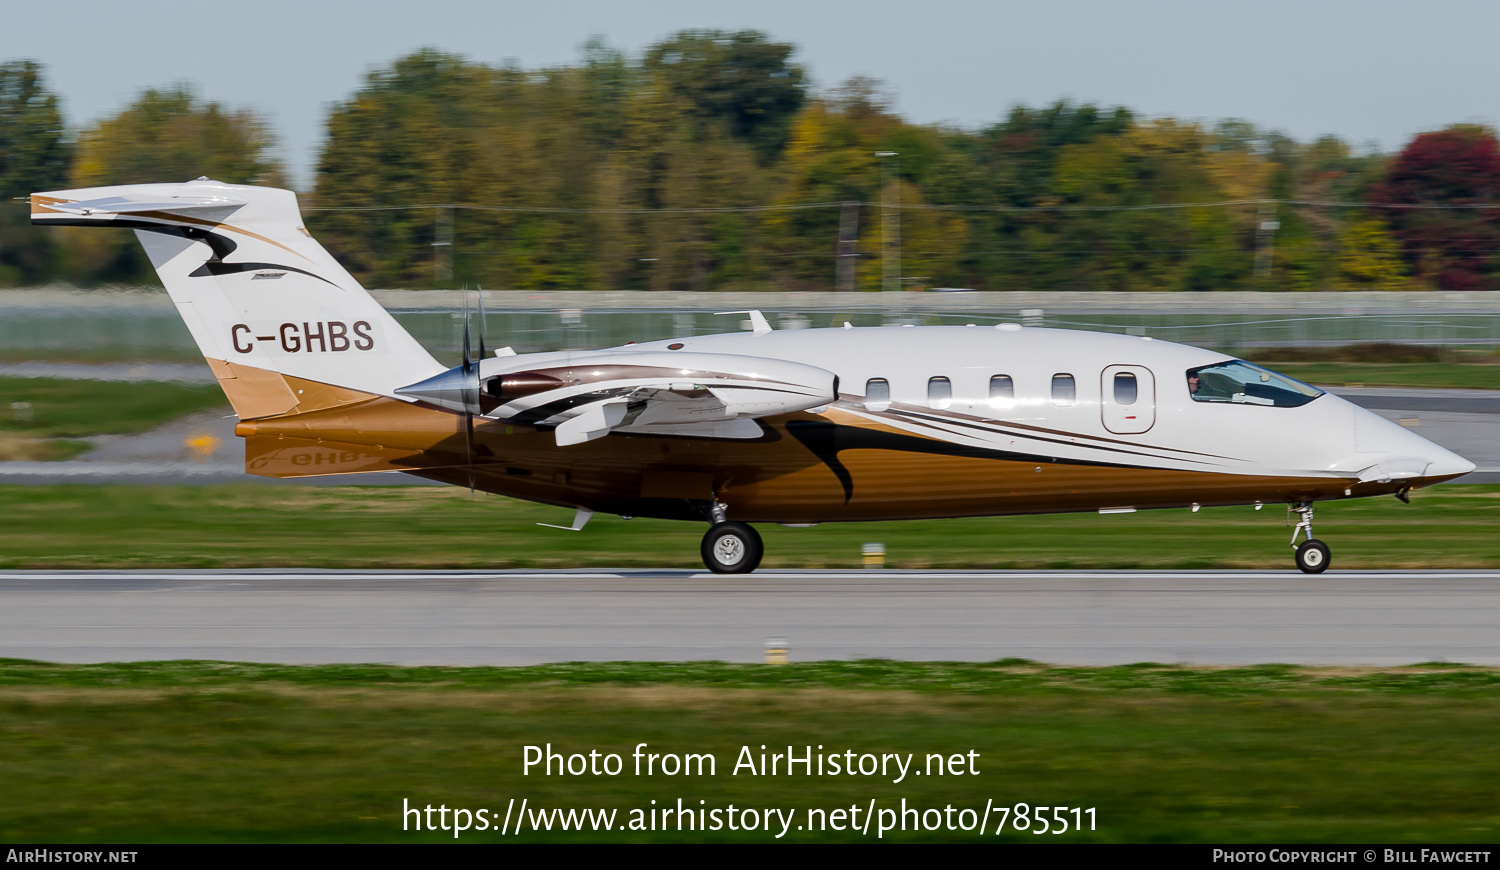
65	408
20	448
123	355
207	752
42	418
1431	375
255	525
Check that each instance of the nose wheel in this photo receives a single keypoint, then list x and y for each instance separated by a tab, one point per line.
732	548
1313	555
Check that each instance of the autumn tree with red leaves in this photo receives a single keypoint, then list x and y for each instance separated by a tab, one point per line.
1456	247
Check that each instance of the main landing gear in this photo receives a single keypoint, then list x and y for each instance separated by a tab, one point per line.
1313	556
730	548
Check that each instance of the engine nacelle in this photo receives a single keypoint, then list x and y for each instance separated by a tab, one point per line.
676	387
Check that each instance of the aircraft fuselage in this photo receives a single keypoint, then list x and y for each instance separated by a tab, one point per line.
977	421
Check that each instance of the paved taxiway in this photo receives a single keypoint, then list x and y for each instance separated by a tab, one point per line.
516	617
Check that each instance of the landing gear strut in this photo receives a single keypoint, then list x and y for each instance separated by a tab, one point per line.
1313	556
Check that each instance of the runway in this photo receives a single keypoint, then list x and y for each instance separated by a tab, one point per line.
521	617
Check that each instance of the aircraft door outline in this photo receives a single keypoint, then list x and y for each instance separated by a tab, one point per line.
1128	399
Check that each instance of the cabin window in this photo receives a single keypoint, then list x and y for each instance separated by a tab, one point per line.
1002	391
1064	389
939	393
1237	382
1125	388
877	394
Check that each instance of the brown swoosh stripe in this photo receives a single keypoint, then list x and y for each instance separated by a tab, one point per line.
902	407
919	418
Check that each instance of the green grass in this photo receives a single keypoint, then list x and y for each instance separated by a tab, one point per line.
42	418
254	525
19	448
123	354
64	408
206	752
1002	678
1432	375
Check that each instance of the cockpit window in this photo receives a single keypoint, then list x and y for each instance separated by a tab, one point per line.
1241	383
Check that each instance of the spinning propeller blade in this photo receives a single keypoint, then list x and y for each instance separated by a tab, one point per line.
480	297
473	387
470	398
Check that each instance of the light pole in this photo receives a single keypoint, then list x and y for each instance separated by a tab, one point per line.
848	254
1265	238
442	246
890	221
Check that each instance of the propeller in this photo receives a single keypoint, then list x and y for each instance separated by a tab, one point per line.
479	297
461	387
473	388
466	368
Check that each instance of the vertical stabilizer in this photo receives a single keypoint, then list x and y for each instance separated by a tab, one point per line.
267	305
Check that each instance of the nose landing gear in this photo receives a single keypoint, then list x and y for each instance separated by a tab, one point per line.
1313	555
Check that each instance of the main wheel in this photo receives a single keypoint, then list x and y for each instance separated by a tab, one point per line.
732	548
1313	556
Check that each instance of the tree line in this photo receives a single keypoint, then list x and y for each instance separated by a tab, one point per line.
709	162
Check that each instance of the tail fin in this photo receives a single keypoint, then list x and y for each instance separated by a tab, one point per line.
283	325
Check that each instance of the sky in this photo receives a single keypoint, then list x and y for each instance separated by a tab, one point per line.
1374	72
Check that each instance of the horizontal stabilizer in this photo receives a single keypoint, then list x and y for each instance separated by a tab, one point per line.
126	205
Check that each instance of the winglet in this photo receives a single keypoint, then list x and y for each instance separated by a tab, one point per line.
758	323
580	519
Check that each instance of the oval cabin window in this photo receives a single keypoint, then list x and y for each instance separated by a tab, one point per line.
939	393
1064	389
1002	391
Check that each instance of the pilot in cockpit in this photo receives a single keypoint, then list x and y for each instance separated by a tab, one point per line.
1210	389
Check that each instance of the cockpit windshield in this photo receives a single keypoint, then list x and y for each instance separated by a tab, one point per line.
1239	382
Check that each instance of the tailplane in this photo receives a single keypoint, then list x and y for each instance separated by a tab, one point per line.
284	327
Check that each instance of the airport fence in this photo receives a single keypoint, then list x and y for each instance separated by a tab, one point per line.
64	323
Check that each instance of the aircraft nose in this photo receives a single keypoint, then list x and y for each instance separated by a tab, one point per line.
1446	464
1400	452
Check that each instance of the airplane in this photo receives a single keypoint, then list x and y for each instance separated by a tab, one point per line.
796	427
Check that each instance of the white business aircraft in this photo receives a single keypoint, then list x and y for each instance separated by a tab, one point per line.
793	427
